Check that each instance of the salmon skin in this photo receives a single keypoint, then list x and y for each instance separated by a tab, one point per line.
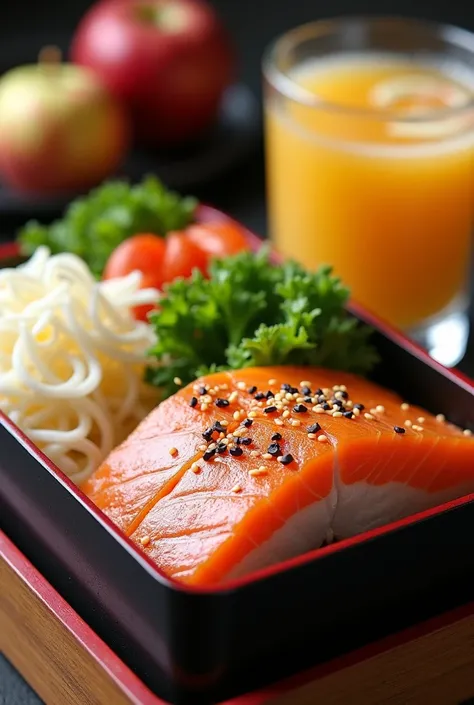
242	470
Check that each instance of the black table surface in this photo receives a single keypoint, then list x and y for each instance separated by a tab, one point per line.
253	24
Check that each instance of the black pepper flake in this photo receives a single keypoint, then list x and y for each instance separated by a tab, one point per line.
300	408
246	441
338	403
269	409
326	407
252	390
207	435
286	459
236	451
308	400
221	402
319	392
193	402
348	414
209	454
277	437
259	396
343	394
286	387
202	391
293	390
306	391
398	429
217	426
247	423
314	428
274	449
221	448
321	399
361	407
269	394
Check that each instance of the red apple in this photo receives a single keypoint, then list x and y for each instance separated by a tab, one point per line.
168	60
60	130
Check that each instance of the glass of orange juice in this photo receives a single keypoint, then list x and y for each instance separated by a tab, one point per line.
369	130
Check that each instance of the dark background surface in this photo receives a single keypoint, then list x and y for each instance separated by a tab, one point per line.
26	26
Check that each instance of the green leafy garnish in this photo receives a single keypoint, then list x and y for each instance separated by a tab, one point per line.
250	312
95	224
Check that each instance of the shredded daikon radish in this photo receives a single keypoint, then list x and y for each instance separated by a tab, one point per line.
72	358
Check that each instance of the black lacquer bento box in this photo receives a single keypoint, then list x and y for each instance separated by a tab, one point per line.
331	611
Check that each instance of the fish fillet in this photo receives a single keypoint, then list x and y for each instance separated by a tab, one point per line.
211	506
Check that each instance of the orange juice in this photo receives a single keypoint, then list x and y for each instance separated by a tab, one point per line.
376	177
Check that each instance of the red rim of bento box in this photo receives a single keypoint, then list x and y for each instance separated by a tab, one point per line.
208	214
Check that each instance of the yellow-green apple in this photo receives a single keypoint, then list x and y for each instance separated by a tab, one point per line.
60	129
168	60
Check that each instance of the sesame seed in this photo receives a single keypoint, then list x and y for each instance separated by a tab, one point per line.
441	418
305	383
173	451
274	449
408	423
258	471
145	540
255	453
295	422
322	438
212	446
421	419
193	402
318	409
285	414
178	381
337	414
312	435
300	409
467	432
286	459
267	456
236	415
380	409
356	411
224	441
236	451
224	386
202	446
417	428
196	468
260	403
369	417
221	403
404	406
236	489
252	390
278	422
204	407
299	399
359	407
252	415
241	385
233	396
272	381
398	429
348	414
373	411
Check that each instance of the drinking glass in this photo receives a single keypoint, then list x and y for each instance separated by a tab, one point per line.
382	188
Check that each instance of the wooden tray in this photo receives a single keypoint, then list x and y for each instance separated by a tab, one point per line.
67	664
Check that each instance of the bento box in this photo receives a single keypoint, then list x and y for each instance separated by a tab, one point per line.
194	645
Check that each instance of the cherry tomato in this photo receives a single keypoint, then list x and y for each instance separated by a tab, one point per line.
182	256
218	239
144	252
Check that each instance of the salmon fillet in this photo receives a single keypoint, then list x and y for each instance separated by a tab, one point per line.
242	470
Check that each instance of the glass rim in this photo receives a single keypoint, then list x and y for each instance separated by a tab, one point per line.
286	86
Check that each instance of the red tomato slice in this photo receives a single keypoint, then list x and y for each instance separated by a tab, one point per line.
182	256
144	252
218	239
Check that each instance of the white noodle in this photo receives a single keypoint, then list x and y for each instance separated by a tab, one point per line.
72	358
